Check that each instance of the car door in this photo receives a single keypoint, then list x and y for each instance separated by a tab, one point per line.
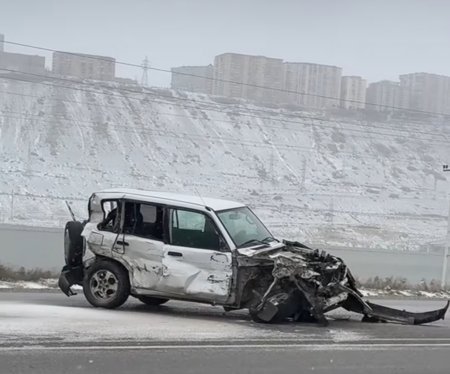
102	237
141	245
196	261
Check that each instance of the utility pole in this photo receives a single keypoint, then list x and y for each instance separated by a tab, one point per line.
12	205
271	168
447	238
145	66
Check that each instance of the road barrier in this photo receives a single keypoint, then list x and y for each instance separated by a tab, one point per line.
43	247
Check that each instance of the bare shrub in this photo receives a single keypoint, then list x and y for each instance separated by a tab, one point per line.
22	274
399	284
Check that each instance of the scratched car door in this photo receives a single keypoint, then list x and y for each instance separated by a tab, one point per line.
142	243
195	262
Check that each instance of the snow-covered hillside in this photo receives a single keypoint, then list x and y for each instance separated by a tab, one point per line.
332	182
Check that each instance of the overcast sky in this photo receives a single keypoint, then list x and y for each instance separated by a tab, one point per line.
377	39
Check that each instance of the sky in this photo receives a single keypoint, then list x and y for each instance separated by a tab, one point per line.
374	39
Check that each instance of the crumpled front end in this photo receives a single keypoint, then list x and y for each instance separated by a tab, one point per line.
307	283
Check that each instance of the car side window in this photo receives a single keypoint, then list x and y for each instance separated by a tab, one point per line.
110	216
193	229
144	220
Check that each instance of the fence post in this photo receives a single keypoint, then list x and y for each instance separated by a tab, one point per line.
445	260
12	206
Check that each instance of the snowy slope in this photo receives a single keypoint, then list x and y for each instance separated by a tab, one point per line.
333	182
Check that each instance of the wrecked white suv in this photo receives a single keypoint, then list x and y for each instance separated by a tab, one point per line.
159	246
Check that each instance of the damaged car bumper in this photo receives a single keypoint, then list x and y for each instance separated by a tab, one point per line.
69	276
308	283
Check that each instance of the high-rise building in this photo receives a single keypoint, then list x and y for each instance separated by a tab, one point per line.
353	92
425	92
193	78
312	85
19	63
383	96
84	66
249	77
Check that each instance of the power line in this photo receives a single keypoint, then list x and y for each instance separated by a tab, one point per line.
158	95
364	132
283	121
230	121
207	104
208	138
233	82
192	137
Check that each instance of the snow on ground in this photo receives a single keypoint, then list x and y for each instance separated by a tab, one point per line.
52	284
405	293
334	180
43	284
67	323
60	320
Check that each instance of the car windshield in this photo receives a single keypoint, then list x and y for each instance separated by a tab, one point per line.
244	227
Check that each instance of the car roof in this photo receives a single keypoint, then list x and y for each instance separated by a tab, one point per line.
170	198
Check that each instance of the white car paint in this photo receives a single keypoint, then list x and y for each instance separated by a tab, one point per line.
197	274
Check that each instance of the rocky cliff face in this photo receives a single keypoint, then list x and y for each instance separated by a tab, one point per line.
322	178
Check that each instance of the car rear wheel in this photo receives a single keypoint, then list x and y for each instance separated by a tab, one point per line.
73	243
152	300
106	285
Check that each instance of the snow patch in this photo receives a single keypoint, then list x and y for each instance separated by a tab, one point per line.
404	293
43	284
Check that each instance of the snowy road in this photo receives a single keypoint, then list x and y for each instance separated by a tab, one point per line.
49	333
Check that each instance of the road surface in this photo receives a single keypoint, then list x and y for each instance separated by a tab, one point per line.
50	333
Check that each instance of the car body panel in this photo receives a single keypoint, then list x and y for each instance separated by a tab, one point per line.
201	273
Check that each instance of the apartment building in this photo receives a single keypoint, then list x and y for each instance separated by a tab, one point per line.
20	63
246	76
353	92
425	92
312	85
383	96
84	66
193	78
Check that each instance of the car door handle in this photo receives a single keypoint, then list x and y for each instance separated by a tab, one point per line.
120	242
175	254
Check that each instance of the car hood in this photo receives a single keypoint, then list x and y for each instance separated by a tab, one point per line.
261	250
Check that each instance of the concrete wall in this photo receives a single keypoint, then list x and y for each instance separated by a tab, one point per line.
32	247
43	247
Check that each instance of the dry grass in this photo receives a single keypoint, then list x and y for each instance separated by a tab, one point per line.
399	283
21	274
377	283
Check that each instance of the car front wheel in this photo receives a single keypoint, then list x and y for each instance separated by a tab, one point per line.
106	285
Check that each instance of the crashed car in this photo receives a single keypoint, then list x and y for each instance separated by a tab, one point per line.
159	246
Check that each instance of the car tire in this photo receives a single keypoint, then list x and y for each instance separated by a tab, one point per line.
254	316
73	243
153	301
106	284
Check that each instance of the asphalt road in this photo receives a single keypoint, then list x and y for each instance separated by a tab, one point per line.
49	333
